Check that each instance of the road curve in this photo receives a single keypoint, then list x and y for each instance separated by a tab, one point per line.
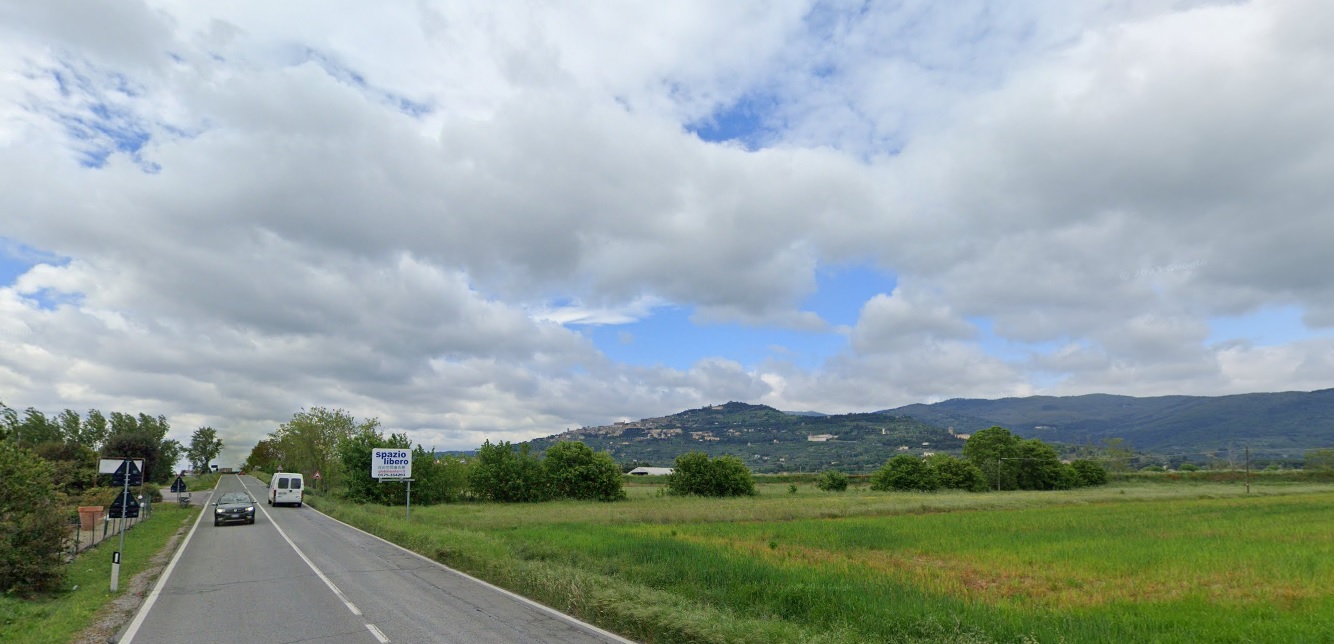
297	575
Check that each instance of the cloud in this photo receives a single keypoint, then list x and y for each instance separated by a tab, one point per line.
237	211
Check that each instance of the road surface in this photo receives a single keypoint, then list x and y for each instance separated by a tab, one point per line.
298	576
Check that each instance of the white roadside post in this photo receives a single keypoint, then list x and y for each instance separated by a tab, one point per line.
393	464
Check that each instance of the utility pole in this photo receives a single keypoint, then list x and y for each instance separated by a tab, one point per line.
1248	469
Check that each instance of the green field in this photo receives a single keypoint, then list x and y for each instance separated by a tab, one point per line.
1187	562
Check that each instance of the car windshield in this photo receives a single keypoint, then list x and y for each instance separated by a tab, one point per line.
234	497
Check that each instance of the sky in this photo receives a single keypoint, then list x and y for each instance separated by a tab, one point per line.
481	220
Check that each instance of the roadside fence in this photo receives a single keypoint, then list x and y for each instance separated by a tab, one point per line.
93	525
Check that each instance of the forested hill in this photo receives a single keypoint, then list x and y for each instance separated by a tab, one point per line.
768	440
1277	424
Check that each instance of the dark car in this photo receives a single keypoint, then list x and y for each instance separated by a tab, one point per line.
234	507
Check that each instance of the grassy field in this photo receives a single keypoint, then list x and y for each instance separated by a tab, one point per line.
57	619
1186	562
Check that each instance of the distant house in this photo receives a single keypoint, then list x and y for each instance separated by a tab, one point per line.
903	448
926	454
651	471
820	438
963	437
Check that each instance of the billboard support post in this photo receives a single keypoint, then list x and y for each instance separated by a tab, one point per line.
393	464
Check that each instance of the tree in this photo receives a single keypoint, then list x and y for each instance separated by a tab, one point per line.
1038	466
354	457
1089	472
123	424
905	472
439	480
138	445
73	466
204	447
1118	455
1320	461
986	449
36	429
500	474
94	431
32	529
309	441
957	474
70	425
832	481
695	473
575	471
265	456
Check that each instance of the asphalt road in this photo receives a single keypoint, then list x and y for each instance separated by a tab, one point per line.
298	576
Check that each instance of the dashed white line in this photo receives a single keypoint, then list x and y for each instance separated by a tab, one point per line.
378	635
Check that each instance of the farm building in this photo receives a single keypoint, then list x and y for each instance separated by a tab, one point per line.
651	471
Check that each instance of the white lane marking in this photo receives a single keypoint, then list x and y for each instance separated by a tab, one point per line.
327	582
378	635
520	598
162	581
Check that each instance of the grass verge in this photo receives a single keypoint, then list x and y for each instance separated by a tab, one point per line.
1189	562
57	619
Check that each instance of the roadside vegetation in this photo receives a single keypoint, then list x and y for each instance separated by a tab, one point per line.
1139	562
56	617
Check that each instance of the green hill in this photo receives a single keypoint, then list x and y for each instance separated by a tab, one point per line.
1273	424
767	440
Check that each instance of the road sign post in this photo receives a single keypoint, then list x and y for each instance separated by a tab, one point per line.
124	472
393	464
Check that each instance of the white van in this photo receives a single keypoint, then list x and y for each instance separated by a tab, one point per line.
286	487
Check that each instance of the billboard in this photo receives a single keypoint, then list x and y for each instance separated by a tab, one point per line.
391	463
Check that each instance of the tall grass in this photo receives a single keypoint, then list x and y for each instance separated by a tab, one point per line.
1192	562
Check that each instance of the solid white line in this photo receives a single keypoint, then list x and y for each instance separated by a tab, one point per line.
346	602
378	635
542	607
162	581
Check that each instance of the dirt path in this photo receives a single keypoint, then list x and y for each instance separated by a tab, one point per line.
119	611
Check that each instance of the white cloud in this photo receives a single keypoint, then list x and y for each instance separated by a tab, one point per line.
400	210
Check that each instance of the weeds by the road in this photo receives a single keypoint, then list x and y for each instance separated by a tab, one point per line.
56	619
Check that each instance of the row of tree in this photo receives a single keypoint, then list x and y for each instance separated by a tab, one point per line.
995	459
338	446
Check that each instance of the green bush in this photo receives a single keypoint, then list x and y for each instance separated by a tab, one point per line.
695	473
1188	467
957	474
905	472
439	480
575	471
32	525
499	474
832	481
1089	473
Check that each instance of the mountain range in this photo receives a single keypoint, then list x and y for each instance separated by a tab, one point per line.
1273	425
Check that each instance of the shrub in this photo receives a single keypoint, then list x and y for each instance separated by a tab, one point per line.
442	480
32	526
1188	467
695	473
1089	473
957	474
905	472
832	481
499	474
575	471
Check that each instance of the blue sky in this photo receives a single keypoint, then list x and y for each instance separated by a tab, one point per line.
848	207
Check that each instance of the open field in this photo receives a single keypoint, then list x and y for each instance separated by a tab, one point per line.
1132	562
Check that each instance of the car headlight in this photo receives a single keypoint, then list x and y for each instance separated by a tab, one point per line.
220	511
250	509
